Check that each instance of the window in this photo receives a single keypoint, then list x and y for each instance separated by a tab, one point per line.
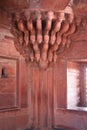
77	85
83	85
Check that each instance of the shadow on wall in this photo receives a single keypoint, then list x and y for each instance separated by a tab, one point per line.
64	128
58	128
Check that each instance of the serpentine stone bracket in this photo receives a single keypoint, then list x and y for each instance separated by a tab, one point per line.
40	35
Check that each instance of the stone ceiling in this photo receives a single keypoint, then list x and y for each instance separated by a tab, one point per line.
14	5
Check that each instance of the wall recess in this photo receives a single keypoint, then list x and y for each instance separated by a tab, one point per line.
9	83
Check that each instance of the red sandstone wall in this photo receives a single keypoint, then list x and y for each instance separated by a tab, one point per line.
14	119
63	117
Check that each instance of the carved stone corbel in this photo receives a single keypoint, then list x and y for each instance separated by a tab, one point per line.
32	30
21	27
59	18
64	29
36	51
49	17
39	28
46	37
71	30
65	40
